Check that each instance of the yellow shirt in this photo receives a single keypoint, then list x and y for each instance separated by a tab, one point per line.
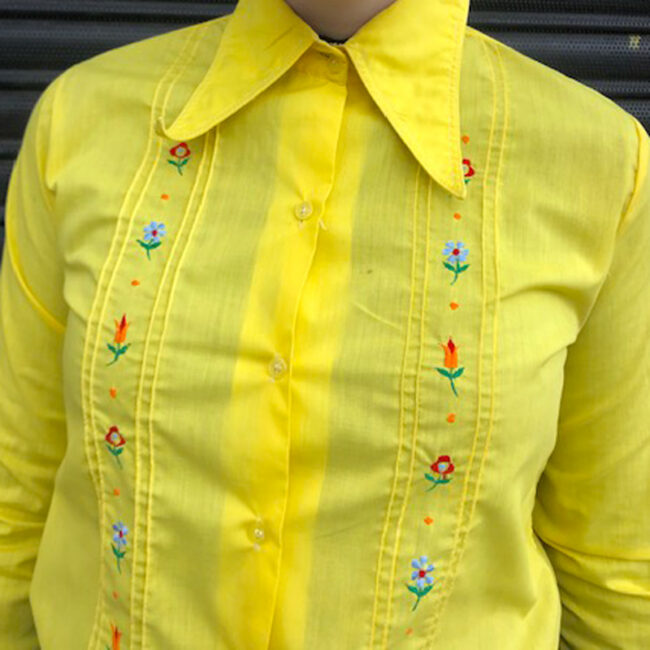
318	346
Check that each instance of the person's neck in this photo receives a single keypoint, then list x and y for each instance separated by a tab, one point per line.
337	19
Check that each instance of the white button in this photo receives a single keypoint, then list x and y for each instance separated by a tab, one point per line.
258	534
303	210
277	367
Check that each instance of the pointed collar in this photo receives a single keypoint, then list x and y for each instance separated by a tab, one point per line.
408	56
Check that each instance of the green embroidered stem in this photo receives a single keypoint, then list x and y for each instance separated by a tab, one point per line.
457	270
117	351
435	481
179	165
119	555
116	453
451	376
148	247
418	592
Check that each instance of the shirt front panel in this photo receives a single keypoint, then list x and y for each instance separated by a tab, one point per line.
295	365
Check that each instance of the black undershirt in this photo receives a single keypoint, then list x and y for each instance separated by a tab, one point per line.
331	40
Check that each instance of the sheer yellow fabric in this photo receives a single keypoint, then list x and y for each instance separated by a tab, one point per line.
318	346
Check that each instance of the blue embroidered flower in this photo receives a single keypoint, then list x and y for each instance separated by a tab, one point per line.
456	254
152	234
421	578
120	540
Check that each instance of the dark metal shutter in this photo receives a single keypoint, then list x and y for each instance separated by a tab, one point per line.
602	43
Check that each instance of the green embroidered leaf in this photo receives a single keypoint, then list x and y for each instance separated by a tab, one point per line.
450	266
458	373
185	161
462	268
111	348
426	590
444	372
413	589
431	478
155	245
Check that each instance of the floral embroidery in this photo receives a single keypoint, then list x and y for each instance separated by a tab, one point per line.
442	467
120	540
120	335
182	154
115	443
116	635
152	234
456	254
451	362
469	171
421	578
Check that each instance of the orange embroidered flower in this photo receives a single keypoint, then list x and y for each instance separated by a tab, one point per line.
469	172
182	154
441	468
115	443
120	336
451	362
116	635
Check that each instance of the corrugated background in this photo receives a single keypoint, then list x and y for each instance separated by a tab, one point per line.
602	43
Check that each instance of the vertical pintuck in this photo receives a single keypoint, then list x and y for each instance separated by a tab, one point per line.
106	380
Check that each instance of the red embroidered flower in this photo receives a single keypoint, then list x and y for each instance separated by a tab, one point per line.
182	154
442	468
470	170
115	443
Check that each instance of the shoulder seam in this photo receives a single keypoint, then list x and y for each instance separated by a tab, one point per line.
640	173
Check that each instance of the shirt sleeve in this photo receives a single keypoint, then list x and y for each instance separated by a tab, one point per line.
592	509
32	317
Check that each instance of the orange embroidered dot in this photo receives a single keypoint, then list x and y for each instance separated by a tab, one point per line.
428	520
465	139
164	197
454	305
116	492
409	630
115	595
135	283
113	392
456	215
451	417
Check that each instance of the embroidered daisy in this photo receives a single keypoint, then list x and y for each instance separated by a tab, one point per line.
455	254
423	582
152	234
120	540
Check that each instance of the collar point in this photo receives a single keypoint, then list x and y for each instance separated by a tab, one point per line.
175	131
